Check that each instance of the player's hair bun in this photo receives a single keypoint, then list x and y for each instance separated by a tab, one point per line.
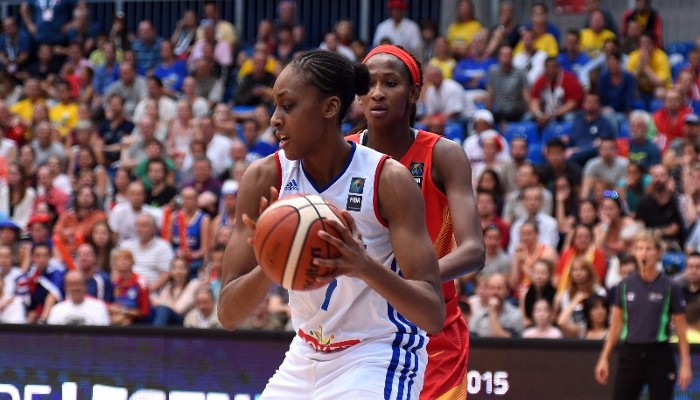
361	79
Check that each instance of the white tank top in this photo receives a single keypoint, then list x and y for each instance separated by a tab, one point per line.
347	311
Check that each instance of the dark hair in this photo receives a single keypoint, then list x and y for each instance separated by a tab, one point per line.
592	301
551	59
157	160
556	143
616	54
532	222
574	32
542	6
95	200
499	191
334	75
694	254
156	80
629	259
488	193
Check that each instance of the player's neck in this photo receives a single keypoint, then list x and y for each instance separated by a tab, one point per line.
324	166
389	140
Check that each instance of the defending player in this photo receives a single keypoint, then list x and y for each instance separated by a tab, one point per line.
443	173
364	334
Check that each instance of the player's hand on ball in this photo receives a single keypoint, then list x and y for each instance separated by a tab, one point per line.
353	258
264	203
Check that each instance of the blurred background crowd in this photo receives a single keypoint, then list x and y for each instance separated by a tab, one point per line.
121	151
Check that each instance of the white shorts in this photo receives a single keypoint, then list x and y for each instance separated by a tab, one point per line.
387	368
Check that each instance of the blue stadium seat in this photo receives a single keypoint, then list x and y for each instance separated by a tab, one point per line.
655	105
695	105
624	132
243	109
677	68
679	48
535	154
639	104
454	131
556	130
522	129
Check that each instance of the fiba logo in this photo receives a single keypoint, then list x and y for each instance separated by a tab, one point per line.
417	169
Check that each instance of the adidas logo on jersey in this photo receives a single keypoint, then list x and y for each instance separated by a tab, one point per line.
291	186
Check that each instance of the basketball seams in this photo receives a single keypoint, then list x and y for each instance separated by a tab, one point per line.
271	231
295	250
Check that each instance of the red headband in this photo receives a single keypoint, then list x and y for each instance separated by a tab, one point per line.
403	55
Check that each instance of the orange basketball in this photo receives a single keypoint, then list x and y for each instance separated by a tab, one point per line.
286	240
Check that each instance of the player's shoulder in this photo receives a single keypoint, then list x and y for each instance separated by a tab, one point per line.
263	170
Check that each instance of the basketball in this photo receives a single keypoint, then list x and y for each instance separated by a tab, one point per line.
286	240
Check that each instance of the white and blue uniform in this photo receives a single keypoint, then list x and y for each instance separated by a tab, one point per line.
350	343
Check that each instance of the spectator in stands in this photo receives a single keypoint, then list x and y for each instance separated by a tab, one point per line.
540	289
133	147
487	205
190	233
15	47
507	87
224	30
670	119
566	206
99	285
45	68
286	49
581	283
506	32
519	151
482	121
166	105
107	73
9	272
177	297
582	247
331	42
78	308
609	233
547	226
498	317
41	287
17	196
495	159
171	71
528	57
442	58
589	128
208	80
527	247
256	87
690	279
557	165
147	46
183	37
114	128
203	178
442	96
131	295
524	178
227	215
47	23
12	309
634	186
642	151
650	66
103	242
221	51
461	32
572	59
203	316
160	193
543	316
33	96
607	167
48	194
74	226
594	36
497	260
616	88
64	114
594	5
152	255
647	19
11	131
597	312
540	20
659	209
257	147
555	95
399	29
130	88
122	218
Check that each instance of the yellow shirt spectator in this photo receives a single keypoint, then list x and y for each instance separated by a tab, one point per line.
692	334
224	31
25	109
446	66
658	61
545	42
64	117
460	34
247	67
592	42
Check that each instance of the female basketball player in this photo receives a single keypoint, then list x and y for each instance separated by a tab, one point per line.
443	173
364	334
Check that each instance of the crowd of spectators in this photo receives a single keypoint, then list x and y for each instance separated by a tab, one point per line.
121	151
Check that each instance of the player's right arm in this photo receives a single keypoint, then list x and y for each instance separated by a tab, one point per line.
243	284
602	368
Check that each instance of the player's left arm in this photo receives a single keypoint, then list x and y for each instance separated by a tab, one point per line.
454	175
685	373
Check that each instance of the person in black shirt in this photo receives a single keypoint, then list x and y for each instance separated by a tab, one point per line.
659	209
647	301
160	192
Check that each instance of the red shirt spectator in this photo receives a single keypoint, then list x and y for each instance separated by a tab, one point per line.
670	119
555	93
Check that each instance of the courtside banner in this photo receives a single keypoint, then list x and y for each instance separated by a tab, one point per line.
142	363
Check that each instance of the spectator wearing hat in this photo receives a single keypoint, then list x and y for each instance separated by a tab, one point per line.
691	133
482	121
227	215
398	29
589	127
39	233
642	150
495	159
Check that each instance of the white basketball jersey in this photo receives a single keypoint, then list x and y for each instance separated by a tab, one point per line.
347	311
